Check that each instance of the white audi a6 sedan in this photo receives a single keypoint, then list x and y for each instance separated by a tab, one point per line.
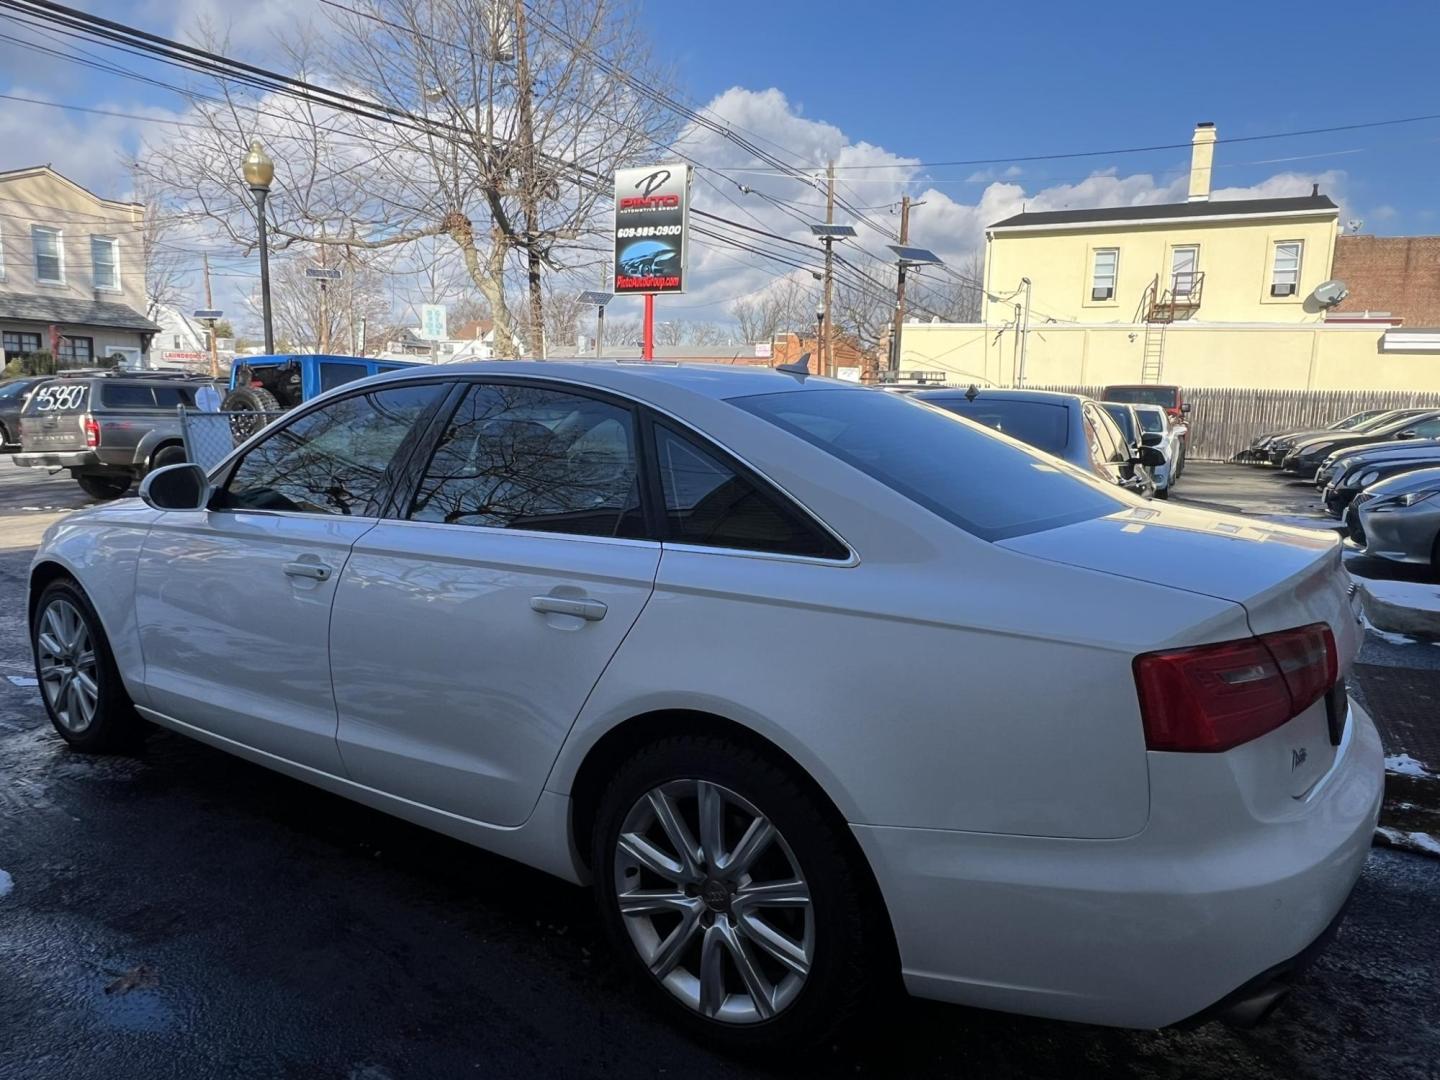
813	683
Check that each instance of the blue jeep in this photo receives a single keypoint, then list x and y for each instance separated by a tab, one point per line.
274	383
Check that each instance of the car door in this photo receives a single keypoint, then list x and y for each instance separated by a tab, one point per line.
233	602
471	625
1105	444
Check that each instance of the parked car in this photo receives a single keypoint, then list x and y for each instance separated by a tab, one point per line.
1259	449
107	430
1168	397
275	383
1120	781
13	395
1305	457
1399	519
1159	432
1281	446
1144	482
1353	473
1068	426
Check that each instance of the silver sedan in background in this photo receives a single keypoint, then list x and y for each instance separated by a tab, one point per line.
1399	519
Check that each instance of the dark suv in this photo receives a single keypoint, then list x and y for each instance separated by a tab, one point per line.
108	430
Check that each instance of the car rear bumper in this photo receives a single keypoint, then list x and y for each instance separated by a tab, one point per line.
1146	931
57	459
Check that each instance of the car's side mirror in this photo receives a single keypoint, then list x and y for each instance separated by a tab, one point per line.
1185	408
1151	438
1150	457
1407	434
176	487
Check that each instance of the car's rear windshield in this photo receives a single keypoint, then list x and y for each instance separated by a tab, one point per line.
1142	395
1150	420
1043	425
145	395
988	485
58	397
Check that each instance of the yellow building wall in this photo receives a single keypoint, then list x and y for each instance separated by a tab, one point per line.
1297	357
1235	257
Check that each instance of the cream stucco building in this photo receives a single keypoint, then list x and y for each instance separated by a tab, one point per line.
72	271
1201	293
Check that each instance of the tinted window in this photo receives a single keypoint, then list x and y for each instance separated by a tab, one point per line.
1426	428
988	485
1124	420
58	397
167	397
522	457
333	375
709	503
330	460
1142	395
1042	424
1112	440
120	396
15	389
1151	420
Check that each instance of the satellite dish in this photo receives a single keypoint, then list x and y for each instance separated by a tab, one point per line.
1330	293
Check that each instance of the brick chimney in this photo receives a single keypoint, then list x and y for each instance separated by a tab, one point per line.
1202	158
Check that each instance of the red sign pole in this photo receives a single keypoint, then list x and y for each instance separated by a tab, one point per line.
647	350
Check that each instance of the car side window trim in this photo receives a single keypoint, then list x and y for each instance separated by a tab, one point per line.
746	472
225	472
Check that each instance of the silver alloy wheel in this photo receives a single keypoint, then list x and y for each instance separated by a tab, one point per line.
714	901
66	658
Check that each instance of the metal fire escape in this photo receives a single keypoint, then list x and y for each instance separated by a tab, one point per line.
1159	310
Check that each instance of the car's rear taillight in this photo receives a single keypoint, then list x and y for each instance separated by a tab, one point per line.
1213	697
92	432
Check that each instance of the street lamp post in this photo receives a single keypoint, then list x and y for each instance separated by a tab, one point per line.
905	257
259	170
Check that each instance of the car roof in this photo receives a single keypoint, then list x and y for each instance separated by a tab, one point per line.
1047	397
718	381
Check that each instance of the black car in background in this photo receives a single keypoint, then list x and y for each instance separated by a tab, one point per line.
13	395
1306	456
1070	427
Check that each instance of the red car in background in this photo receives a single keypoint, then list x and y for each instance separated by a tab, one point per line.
1169	398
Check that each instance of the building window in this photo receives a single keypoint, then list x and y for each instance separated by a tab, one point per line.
1285	277
104	255
1102	280
76	352
1184	268
16	344
49	255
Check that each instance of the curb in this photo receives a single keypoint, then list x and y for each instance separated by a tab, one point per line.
1398	619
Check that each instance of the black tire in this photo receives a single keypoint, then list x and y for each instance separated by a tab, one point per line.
852	945
250	399
104	485
1162	493
168	455
115	725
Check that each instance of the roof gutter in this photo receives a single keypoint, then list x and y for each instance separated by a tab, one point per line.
1187	219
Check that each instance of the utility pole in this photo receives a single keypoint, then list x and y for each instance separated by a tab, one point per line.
324	303
900	287
209	305
827	348
528	183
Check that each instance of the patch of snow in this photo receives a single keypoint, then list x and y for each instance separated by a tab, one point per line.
1420	842
6	883
1390	636
1406	765
1411	594
23	680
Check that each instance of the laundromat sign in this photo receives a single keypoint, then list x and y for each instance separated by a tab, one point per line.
652	225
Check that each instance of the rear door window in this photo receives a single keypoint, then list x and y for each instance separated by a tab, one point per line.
168	397
126	396
333	375
58	397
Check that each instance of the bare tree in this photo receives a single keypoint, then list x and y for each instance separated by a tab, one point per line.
162	256
307	319
453	165
787	304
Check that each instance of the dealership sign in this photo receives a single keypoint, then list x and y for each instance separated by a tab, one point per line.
652	222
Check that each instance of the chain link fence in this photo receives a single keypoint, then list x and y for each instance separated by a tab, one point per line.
210	436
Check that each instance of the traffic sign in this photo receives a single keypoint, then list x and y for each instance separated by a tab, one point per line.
433	322
324	273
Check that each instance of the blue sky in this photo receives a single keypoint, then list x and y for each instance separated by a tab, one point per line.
929	81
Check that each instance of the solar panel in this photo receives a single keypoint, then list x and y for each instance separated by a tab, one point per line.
913	254
594	297
833	232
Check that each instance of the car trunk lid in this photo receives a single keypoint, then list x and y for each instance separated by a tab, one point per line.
1283	577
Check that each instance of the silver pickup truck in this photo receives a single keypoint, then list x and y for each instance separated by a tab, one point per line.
108	430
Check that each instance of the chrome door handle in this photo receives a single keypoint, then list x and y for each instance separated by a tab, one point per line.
315	570
590	610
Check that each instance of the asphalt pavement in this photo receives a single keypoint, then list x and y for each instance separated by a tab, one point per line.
180	913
